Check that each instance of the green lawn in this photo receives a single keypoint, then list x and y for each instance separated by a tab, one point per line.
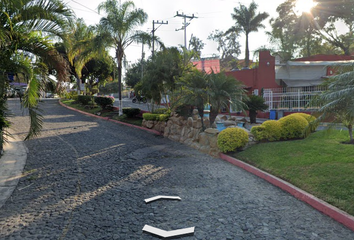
73	104
320	165
134	121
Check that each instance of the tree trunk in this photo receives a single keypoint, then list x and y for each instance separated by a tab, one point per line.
201	114
247	57
350	128
253	116
119	55
213	114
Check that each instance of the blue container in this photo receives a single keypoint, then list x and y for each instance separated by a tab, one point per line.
272	115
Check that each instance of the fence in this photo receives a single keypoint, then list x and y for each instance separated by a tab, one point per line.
291	99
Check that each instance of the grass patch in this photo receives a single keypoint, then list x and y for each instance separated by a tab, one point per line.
134	120
92	108
319	164
114	115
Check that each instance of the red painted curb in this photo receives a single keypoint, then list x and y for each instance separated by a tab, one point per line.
111	120
322	206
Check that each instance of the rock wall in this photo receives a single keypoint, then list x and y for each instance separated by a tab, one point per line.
188	131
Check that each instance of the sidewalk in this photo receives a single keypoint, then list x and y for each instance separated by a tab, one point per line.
11	167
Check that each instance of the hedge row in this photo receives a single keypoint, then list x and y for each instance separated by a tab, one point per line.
293	126
155	117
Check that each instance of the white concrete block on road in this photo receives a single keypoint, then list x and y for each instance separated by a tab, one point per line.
166	234
161	197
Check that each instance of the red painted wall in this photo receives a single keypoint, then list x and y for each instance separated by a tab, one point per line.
261	77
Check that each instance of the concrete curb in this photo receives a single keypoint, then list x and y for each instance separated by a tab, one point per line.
322	206
12	164
110	120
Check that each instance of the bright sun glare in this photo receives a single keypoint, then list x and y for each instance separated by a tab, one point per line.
304	6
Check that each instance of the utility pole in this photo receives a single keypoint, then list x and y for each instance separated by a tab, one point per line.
185	25
153	33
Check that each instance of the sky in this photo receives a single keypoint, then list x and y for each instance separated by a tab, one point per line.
210	15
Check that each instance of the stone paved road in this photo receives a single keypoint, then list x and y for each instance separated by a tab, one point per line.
87	178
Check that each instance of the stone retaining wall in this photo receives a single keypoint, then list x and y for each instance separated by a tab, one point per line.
189	132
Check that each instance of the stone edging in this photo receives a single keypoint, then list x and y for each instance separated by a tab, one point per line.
322	206
110	120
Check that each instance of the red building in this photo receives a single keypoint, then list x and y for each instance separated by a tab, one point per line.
208	65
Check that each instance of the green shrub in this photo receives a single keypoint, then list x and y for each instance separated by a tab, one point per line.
293	126
232	139
71	95
269	131
163	117
83	99
161	110
150	116
104	101
131	112
155	117
310	119
184	110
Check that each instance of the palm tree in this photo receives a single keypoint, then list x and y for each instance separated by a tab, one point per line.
25	51
247	21
80	47
118	30
224	92
338	100
195	91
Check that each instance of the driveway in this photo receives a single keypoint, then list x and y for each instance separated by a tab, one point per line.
87	178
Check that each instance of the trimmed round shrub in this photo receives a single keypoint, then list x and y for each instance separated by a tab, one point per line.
232	139
293	126
310	119
131	112
84	99
104	101
269	131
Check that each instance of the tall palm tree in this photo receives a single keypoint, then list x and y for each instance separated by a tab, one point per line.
117	30
25	50
224	92
81	47
247	21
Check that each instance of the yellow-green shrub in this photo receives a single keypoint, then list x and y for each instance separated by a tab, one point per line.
155	117
293	126
269	131
310	119
231	139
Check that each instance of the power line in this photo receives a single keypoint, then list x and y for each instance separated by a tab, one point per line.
185	25
86	7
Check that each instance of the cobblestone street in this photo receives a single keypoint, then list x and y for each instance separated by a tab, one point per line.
87	178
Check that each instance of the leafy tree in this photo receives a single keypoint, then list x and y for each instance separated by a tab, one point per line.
196	44
96	72
133	74
255	103
247	21
162	72
118	30
228	46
